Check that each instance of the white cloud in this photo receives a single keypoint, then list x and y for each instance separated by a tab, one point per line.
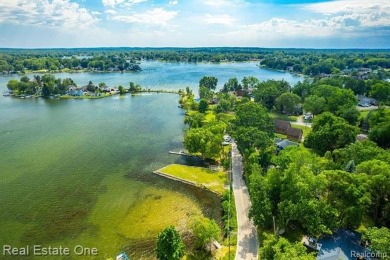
54	14
173	2
113	3
348	6
220	3
219	19
368	13
110	11
157	16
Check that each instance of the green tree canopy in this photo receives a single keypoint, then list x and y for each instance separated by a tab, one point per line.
280	248
379	239
314	104
252	114
287	102
203	106
330	132
266	92
169	245
204	231
208	82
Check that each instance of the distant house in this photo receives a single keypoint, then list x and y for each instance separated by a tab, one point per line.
281	126
294	134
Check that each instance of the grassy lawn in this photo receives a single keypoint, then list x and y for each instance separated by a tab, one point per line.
275	115
210	116
363	114
213	180
226	117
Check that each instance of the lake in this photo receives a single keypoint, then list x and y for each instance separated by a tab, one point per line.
79	172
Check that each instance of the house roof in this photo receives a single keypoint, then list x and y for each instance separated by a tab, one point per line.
292	131
283	144
282	124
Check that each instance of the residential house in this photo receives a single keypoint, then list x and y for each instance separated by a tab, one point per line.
280	145
294	134
281	126
285	128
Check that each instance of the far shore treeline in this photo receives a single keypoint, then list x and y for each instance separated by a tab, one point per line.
311	62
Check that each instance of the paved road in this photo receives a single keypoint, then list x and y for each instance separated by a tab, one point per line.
247	241
300	121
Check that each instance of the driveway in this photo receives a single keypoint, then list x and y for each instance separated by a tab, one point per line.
247	241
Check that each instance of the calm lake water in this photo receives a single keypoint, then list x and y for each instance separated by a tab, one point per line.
79	172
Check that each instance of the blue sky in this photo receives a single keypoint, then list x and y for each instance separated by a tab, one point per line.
195	23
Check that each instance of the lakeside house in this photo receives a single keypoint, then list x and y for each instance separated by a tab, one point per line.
285	128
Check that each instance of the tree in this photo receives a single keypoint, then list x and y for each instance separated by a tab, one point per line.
287	102
380	134
45	90
249	82
381	92
203	106
379	239
329	133
231	85
267	92
121	90
204	231
204	92
360	152
348	194
253	114
208	82
194	120
351	115
223	105
314	104
280	248
91	87
26	79
205	140
378	183
169	245
13	84
261	210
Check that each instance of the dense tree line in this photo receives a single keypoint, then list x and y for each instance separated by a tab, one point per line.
310	62
20	62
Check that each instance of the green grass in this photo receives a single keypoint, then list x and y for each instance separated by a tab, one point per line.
363	114
226	117
213	180
275	115
210	116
